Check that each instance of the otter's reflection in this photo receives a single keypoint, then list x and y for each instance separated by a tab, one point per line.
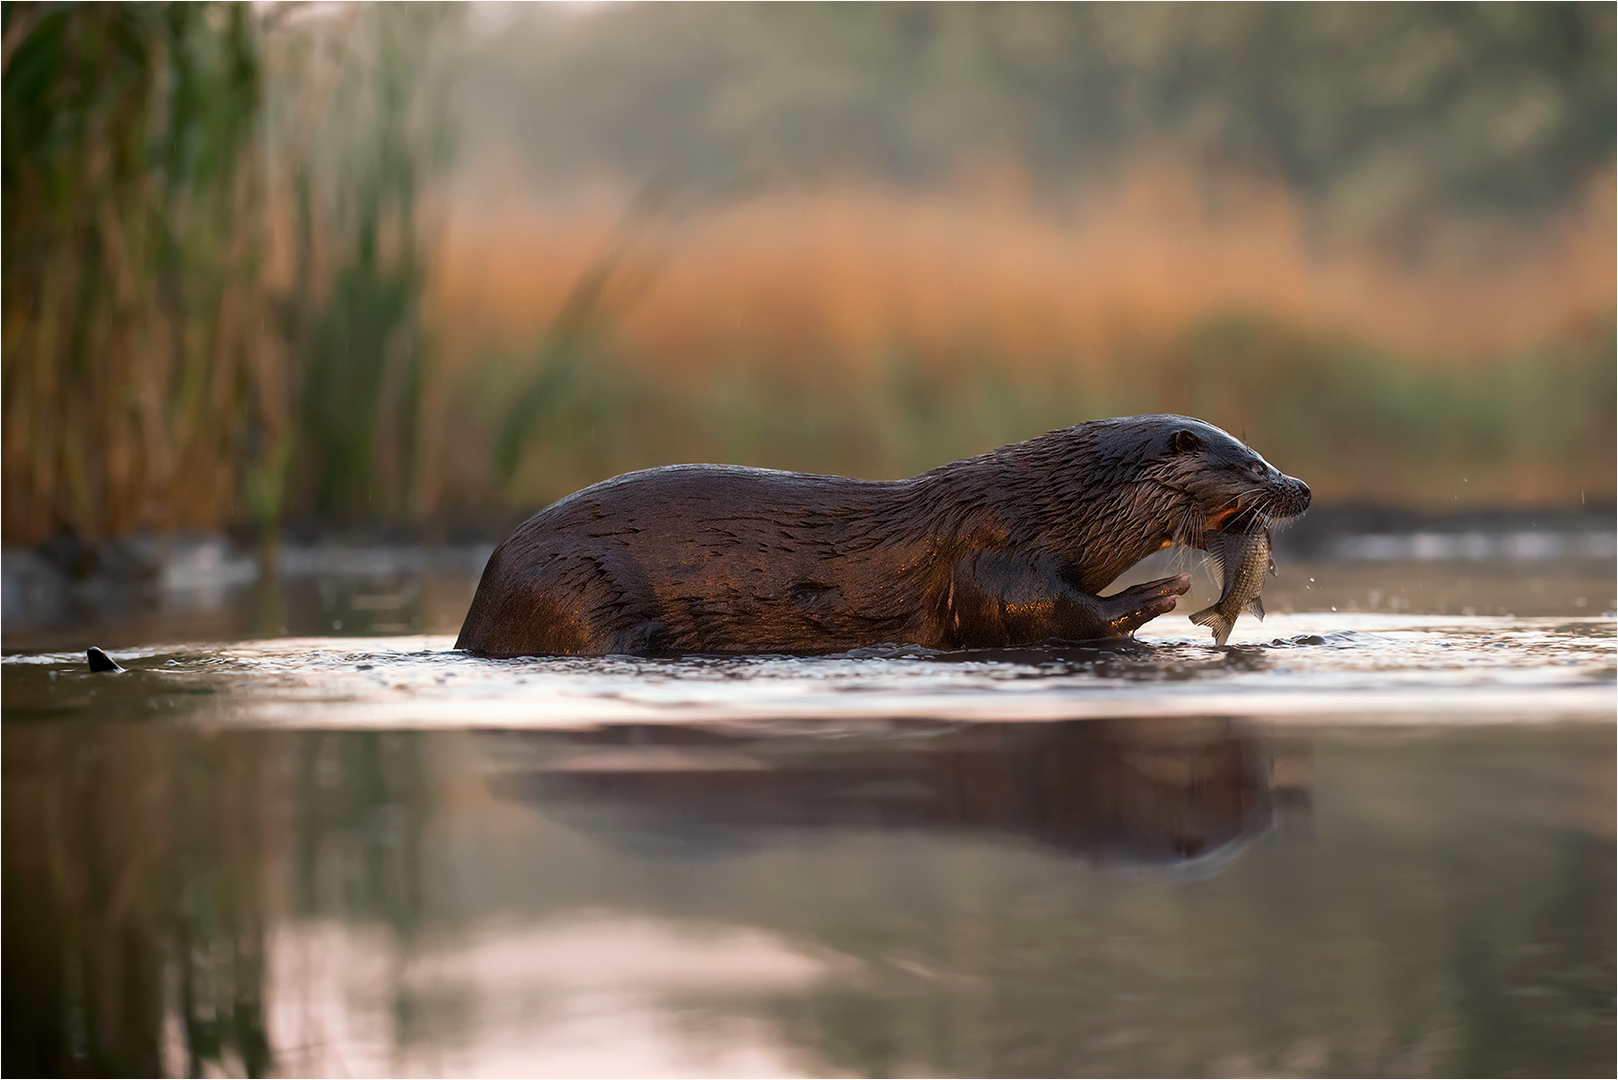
1131	791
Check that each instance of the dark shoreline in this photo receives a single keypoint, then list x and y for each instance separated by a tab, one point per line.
131	560
1313	534
65	590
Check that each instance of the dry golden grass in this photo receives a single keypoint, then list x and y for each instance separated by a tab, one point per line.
853	270
877	331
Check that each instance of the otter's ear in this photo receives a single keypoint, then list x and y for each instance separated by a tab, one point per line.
1184	442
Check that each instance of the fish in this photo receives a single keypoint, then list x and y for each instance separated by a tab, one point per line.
1242	558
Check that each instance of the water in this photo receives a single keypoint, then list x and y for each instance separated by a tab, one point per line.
1370	841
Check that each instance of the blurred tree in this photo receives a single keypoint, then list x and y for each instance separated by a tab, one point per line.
1384	110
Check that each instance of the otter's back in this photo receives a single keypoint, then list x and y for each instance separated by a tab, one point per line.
694	558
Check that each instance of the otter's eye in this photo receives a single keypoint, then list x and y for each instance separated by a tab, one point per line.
1256	469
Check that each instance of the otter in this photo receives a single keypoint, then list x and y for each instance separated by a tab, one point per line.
1009	548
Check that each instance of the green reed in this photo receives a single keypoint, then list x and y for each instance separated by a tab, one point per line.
351	313
128	282
162	162
1529	427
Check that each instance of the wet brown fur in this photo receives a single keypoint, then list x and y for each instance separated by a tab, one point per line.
1008	548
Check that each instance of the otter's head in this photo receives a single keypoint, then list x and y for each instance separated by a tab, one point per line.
1215	481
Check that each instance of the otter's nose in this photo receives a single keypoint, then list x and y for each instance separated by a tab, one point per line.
1303	495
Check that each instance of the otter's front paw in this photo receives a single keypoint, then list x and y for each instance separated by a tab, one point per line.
1131	609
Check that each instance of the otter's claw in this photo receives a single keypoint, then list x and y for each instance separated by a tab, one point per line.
1131	609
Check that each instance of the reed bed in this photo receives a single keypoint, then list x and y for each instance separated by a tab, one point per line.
211	278
130	299
239	288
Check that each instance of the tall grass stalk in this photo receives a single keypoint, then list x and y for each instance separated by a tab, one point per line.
211	264
354	260
129	287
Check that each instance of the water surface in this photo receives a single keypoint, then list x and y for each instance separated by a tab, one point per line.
1373	668
1354	842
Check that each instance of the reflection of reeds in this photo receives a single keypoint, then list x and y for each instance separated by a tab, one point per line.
148	868
134	898
882	331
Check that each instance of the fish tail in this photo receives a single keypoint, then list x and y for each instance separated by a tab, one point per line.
1210	617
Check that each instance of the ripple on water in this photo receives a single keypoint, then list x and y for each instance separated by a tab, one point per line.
1374	669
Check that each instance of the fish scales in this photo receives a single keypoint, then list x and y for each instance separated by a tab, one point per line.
1242	557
